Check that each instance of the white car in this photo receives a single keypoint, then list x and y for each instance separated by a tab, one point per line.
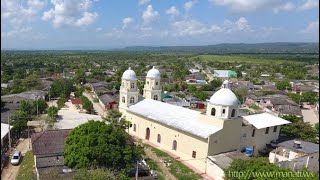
16	156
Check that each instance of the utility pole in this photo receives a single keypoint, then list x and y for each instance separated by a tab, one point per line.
37	106
137	171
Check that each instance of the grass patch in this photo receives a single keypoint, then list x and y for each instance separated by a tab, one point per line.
26	167
178	169
245	110
154	166
255	107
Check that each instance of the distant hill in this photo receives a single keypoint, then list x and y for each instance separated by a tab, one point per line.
278	47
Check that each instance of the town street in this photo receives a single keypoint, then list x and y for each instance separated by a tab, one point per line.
10	172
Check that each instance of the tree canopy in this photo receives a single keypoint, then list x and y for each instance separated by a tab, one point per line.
61	87
299	129
98	144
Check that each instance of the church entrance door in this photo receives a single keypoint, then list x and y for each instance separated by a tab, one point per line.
147	134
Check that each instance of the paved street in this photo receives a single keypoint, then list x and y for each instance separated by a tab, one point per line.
309	114
10	172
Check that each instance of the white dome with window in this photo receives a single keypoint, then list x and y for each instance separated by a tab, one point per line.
224	96
129	75
153	73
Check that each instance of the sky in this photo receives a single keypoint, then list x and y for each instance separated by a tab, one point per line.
105	24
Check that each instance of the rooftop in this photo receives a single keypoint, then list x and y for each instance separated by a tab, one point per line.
4	129
306	147
49	142
264	120
178	117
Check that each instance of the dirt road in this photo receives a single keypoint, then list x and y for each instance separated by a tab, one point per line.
10	172
160	163
96	106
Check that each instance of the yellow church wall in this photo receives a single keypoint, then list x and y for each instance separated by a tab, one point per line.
186	142
260	138
227	139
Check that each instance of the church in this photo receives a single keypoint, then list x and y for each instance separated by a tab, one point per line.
191	135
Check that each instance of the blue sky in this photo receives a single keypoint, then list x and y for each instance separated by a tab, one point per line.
104	24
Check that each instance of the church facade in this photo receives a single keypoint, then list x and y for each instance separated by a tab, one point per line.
189	134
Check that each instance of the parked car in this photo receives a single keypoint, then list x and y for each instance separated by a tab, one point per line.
16	157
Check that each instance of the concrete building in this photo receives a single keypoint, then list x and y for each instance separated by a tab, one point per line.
189	134
296	155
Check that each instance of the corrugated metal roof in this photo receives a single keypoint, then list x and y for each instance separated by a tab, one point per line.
264	120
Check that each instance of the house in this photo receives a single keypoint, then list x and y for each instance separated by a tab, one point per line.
296	155
4	85
27	96
76	103
4	136
189	134
48	148
108	101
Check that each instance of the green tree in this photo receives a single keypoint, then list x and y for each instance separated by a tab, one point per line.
115	118
86	104
52	112
283	85
241	93
61	101
299	129
26	106
41	104
19	120
192	88
61	86
310	97
200	95
316	127
98	144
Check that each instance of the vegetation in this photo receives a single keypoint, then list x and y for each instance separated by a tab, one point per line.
25	106
86	104
40	104
26	167
259	166
19	120
299	129
177	168
99	174
52	112
61	87
255	107
115	118
283	85
100	145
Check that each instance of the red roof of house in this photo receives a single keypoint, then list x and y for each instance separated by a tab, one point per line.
76	101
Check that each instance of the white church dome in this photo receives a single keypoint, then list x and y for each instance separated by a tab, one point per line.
153	73
224	96
129	75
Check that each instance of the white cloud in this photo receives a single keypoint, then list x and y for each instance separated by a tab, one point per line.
312	28
309	4
193	27
289	6
188	5
17	14
17	32
126	21
172	11
247	5
70	13
142	2
150	15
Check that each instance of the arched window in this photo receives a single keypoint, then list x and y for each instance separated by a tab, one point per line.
132	85
233	113
213	111
123	99
159	138
157	83
131	100
134	127
148	82
155	97
174	145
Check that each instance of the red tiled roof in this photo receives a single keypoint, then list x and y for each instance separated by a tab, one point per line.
76	101
49	142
